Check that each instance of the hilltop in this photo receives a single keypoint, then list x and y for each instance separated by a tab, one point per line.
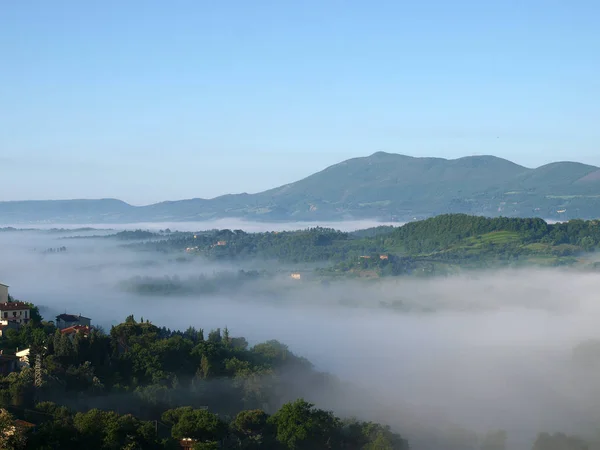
385	186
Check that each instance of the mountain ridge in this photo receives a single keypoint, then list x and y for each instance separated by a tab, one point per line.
383	185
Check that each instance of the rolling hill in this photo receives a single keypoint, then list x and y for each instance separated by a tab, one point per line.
383	185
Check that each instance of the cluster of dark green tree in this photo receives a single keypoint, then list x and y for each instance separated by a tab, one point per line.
297	425
441	232
117	390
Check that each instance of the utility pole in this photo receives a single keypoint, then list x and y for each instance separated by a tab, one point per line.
38	374
38	370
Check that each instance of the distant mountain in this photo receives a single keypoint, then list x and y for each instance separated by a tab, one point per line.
384	186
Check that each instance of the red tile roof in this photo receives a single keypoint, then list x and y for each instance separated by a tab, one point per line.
75	329
23	424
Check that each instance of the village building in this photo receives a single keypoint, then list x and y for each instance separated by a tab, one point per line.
296	276
18	312
71	332
70	320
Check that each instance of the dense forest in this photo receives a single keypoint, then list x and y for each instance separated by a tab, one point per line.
145	387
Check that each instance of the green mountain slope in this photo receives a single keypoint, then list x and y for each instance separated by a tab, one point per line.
384	186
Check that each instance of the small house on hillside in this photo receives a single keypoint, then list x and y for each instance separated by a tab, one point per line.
3	293
18	312
296	276
70	320
70	332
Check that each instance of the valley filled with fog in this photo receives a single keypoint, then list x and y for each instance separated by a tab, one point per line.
483	350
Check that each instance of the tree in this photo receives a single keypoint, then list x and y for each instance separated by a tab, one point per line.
381	442
587	243
559	441
226	337
215	336
300	426
205	369
252	429
198	424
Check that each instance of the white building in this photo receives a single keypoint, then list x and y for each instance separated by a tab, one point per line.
23	356
3	293
18	312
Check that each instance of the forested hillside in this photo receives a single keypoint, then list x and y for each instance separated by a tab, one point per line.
437	245
146	387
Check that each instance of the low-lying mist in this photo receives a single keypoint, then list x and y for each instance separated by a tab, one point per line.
486	350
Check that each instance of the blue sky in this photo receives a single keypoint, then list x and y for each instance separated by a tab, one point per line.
154	100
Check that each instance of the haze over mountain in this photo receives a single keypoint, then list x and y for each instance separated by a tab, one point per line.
383	186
